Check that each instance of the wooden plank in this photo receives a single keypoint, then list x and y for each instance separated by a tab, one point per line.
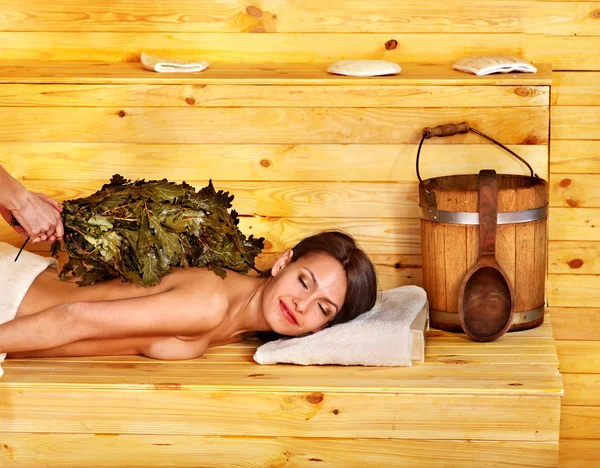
283	199
575	324
469	16
281	378
564	52
578	453
579	356
581	390
574	224
574	257
377	236
455	266
580	422
252	95
387	163
310	72
265	125
392	270
573	290
118	450
232	411
572	156
575	88
537	364
575	190
525	267
575	123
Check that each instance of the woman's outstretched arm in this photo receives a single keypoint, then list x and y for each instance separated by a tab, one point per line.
153	315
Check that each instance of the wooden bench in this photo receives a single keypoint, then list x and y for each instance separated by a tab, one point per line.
301	150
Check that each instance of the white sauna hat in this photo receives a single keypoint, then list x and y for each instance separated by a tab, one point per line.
364	68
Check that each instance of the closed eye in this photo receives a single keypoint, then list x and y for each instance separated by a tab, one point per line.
302	282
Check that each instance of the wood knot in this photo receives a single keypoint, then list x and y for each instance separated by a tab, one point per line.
190	100
524	91
336	411
315	398
268	244
121	113
575	263
391	44
260	29
565	183
572	203
397	266
265	163
253	11
595	14
531	140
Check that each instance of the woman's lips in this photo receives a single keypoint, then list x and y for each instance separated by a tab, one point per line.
287	313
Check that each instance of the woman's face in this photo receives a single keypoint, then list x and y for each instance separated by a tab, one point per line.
303	296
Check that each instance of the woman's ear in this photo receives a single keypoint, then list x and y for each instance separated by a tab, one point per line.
282	262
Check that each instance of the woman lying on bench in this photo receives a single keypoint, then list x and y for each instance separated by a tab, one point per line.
325	279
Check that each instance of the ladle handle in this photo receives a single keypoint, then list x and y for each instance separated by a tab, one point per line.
488	212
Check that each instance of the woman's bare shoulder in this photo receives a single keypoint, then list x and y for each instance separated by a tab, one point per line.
202	289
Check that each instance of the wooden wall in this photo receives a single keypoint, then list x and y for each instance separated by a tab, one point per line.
573	287
564	33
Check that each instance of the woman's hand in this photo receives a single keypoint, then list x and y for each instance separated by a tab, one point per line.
38	216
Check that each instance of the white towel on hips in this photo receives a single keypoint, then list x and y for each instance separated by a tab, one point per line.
15	280
379	337
166	65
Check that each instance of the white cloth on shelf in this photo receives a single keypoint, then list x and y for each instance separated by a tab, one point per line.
480	65
167	65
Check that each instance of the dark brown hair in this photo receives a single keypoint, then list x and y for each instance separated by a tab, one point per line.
361	291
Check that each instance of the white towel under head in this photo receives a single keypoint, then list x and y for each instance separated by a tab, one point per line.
167	65
15	280
379	337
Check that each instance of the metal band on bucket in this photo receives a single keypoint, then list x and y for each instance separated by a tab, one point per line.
451	318
461	217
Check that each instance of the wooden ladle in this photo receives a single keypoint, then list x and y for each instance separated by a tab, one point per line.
486	301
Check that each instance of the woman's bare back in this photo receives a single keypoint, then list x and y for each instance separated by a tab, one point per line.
49	291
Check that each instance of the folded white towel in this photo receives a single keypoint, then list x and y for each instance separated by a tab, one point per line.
379	337
166	65
15	280
495	64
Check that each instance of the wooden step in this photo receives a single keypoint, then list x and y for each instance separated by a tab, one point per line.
496	398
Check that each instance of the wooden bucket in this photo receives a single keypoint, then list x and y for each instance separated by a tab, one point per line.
450	241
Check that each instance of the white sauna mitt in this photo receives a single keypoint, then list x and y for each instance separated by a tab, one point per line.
496	64
364	68
379	337
15	280
165	65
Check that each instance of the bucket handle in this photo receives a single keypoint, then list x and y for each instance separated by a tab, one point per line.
463	127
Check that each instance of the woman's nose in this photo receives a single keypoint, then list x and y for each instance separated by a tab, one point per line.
299	305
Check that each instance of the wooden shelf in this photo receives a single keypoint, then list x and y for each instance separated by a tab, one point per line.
227	73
